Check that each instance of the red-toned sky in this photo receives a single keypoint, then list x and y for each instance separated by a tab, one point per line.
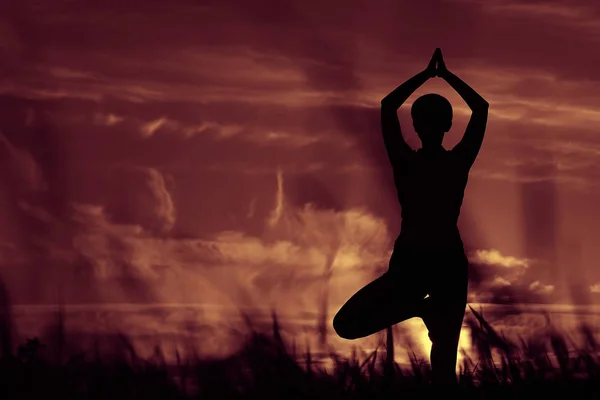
167	151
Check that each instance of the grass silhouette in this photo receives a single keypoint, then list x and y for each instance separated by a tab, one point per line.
268	367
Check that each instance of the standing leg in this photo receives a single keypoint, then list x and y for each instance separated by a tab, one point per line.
378	305
444	332
443	317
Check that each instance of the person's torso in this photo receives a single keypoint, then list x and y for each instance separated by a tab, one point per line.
430	189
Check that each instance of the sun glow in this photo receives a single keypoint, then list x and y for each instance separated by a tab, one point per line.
422	340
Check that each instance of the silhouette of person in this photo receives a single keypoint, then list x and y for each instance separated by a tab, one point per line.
427	273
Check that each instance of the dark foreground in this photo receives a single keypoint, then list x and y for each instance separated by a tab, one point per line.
266	368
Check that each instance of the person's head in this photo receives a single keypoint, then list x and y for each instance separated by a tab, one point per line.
432	118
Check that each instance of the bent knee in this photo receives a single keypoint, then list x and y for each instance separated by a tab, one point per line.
344	327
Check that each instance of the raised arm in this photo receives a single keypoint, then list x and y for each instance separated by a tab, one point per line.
471	142
397	148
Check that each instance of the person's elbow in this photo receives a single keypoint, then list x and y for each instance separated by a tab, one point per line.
388	104
480	109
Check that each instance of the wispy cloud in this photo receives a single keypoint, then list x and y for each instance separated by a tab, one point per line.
578	15
494	257
165	207
107	119
151	127
538	287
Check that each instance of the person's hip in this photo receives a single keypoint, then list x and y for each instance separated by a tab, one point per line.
436	267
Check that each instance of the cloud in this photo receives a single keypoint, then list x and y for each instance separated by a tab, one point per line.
164	205
500	282
22	171
538	287
279	202
217	106
68	73
96	258
107	119
151	127
496	277
579	16
494	257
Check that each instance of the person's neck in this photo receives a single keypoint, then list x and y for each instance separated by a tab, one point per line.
433	147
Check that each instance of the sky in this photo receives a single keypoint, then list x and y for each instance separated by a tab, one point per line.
231	153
